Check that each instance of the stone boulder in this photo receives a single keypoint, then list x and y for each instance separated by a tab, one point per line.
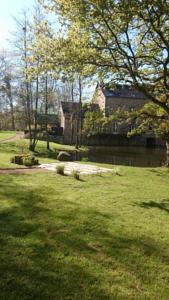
64	156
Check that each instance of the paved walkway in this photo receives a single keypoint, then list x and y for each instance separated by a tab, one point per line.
71	166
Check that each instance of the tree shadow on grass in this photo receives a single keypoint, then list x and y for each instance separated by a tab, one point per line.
35	262
53	249
160	172
162	205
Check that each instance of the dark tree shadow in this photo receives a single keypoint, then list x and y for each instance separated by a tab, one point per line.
162	205
160	172
59	250
35	249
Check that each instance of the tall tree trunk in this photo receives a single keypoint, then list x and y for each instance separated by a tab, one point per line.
72	128
35	115
12	117
167	153
79	119
7	80
72	115
12	112
28	104
72	92
46	111
29	117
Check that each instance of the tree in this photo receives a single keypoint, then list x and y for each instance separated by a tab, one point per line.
125	41
34	89
94	122
6	88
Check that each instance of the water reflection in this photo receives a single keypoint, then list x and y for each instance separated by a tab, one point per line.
130	156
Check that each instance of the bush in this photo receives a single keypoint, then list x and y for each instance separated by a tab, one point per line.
85	159
116	171
60	169
17	159
99	172
30	161
76	174
25	159
52	154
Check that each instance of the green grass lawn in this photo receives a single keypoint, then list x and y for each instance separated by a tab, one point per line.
106	237
6	134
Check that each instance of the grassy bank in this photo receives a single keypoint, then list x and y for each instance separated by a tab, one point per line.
106	237
6	135
7	150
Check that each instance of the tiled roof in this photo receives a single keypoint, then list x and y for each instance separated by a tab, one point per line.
123	91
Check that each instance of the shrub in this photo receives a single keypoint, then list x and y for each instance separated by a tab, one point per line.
27	161
99	172
24	159
30	161
85	159
17	159
76	174
60	169
116	171
52	154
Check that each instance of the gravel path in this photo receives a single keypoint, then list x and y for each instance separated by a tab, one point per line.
19	135
81	168
21	170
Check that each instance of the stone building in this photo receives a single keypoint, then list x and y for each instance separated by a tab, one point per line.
127	98
124	97
68	115
107	100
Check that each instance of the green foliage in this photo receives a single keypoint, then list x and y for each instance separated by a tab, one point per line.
24	159
52	154
60	169
30	161
116	171
76	174
84	159
94	122
150	118
123	41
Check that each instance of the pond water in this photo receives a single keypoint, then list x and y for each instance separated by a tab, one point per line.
130	156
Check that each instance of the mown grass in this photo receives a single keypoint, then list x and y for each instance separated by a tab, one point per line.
106	237
6	134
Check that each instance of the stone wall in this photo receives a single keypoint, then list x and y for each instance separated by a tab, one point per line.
69	131
112	104
121	140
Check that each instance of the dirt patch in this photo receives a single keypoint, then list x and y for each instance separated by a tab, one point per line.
22	170
19	135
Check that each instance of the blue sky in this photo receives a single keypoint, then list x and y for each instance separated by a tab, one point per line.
9	8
